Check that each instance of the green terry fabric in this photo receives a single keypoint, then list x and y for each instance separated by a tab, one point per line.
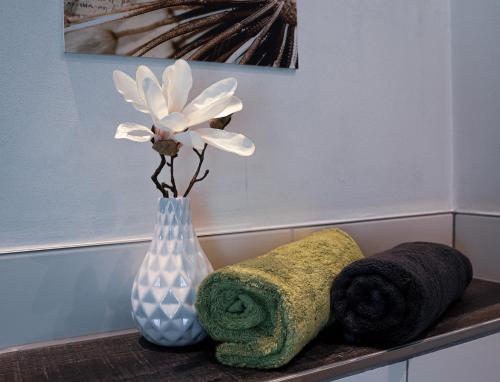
265	310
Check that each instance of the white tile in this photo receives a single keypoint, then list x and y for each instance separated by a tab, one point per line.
379	235
229	249
473	361
479	238
391	373
75	292
66	293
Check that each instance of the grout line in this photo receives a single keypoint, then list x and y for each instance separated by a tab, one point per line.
146	239
453	190
407	370
454	230
479	213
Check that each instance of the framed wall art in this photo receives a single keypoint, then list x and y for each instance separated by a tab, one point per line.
251	32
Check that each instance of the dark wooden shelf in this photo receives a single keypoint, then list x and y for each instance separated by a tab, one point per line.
130	358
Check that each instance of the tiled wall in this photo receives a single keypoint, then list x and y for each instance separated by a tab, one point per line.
478	236
472	361
63	293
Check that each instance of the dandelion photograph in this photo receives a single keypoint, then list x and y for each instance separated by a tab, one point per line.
247	32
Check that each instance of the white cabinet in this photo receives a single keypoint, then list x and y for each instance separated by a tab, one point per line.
392	373
475	361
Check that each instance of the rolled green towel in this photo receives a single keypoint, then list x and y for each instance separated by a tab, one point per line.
265	310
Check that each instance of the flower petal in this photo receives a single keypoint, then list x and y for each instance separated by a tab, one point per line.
174	122
141	107
227	141
154	99
233	106
177	82
191	139
126	86
209	111
143	73
124	131
213	93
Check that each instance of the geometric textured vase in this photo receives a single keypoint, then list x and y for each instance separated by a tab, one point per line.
164	290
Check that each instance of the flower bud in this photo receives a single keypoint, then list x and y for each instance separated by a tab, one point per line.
220	123
167	147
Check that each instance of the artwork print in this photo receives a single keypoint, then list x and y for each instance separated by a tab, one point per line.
250	32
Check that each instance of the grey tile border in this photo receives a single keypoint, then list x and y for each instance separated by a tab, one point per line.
71	292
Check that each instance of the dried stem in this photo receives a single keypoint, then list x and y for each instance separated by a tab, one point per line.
172	177
195	179
154	177
164	187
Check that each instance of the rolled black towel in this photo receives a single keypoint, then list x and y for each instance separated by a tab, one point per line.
393	297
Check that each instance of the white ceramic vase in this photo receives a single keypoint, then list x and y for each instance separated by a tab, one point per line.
164	290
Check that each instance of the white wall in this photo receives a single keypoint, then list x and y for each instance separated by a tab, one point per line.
476	104
361	130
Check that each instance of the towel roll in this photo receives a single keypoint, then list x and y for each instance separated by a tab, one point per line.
265	310
393	297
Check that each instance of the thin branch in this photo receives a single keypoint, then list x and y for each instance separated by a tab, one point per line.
154	177
204	176
195	179
167	186
172	178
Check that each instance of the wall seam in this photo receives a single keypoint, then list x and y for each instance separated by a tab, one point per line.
146	239
407	370
453	168
454	230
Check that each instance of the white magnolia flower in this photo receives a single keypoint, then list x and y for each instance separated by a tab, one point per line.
172	119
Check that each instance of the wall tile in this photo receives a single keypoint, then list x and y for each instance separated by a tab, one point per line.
230	249
379	235
66	293
391	373
57	294
479	238
473	361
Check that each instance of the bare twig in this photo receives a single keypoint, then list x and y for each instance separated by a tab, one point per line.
154	177
172	177
195	179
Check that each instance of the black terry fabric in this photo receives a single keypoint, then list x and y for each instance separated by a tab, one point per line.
392	297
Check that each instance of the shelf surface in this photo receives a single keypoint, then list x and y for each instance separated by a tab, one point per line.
130	358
